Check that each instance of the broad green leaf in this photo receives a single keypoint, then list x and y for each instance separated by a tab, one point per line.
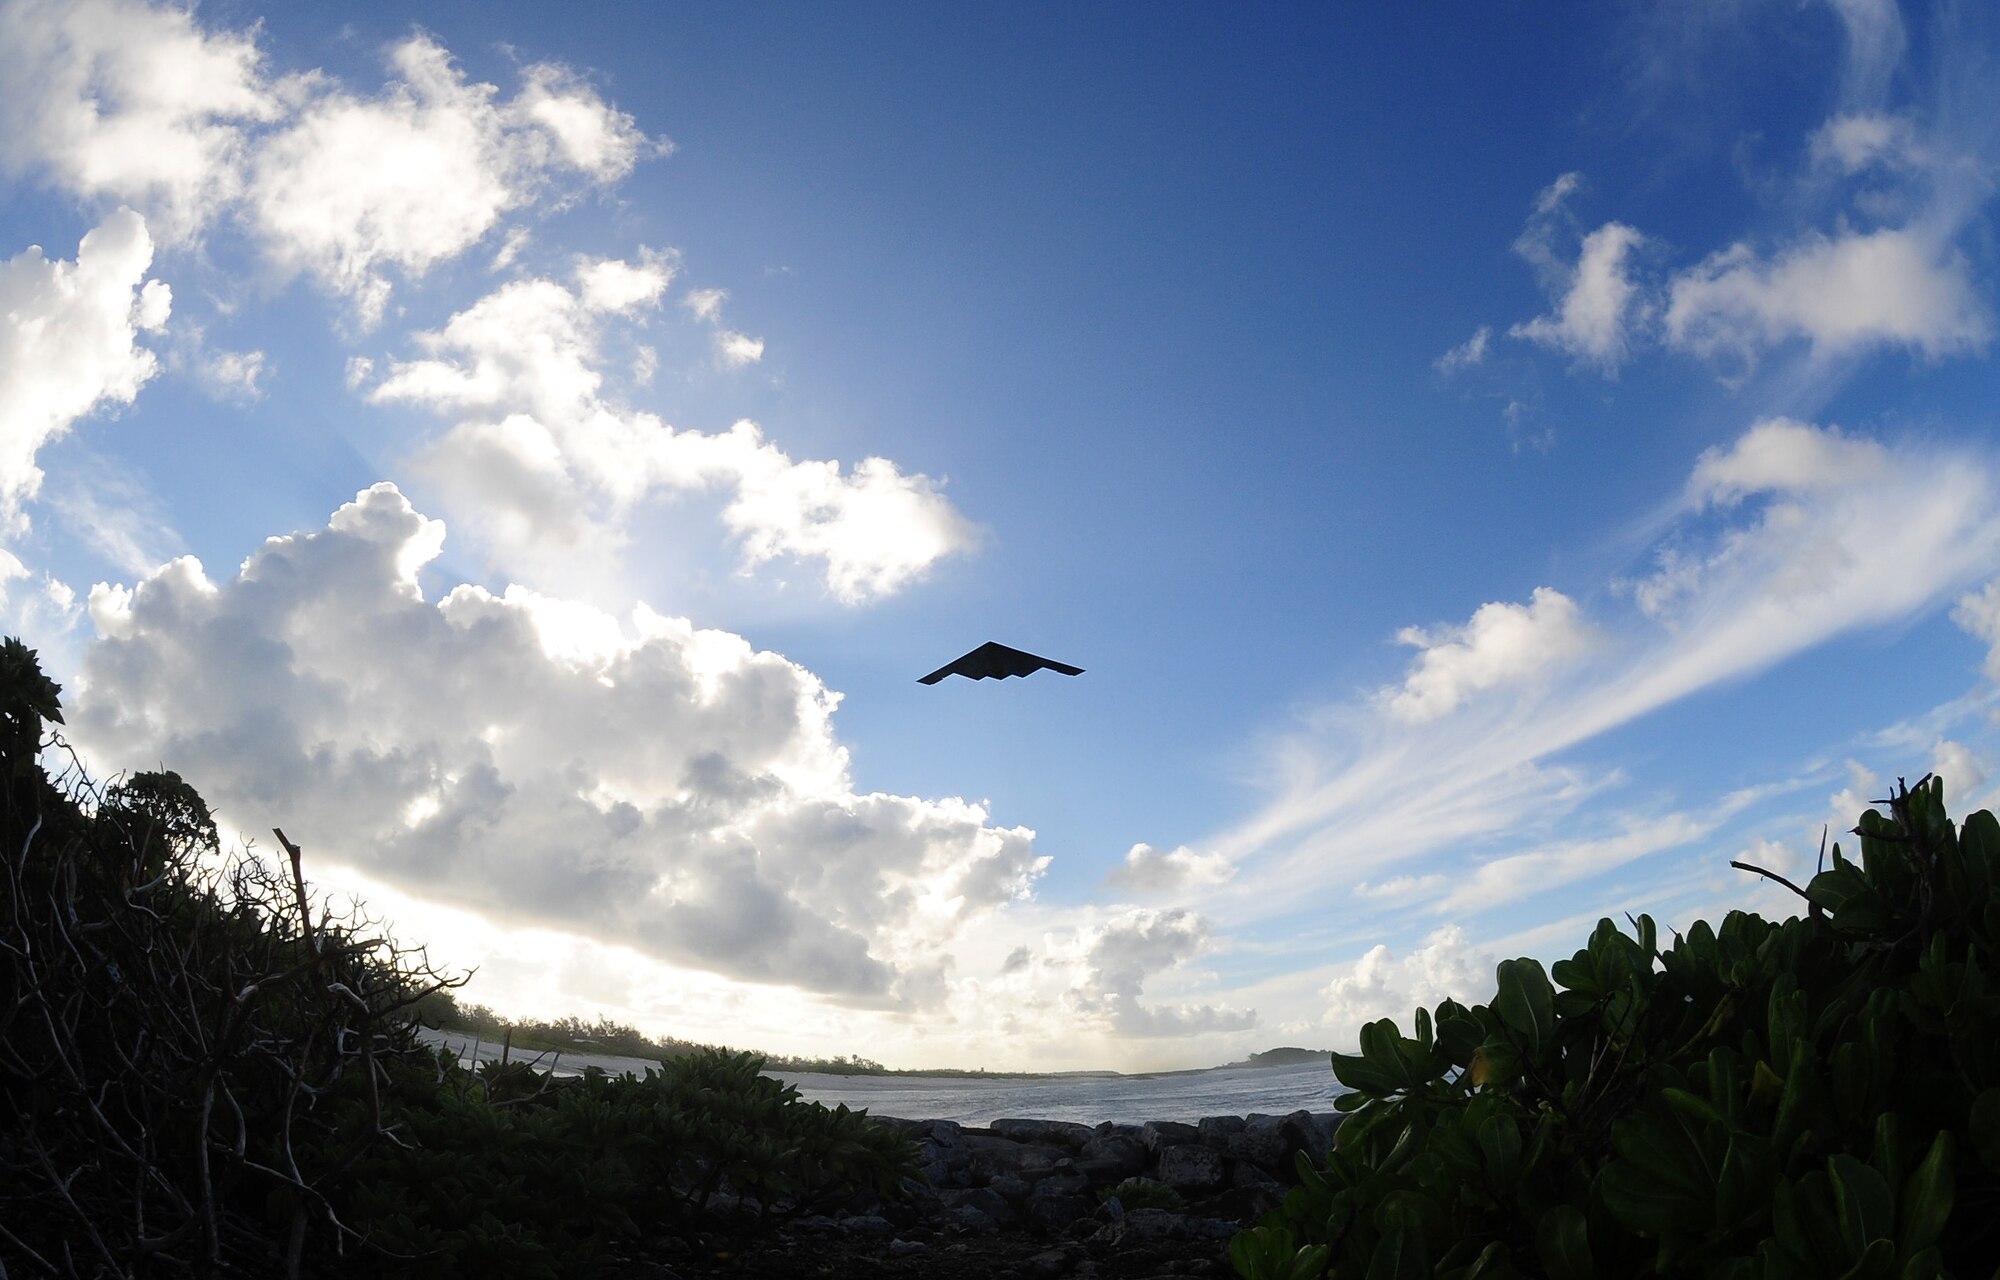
1500	1142
1866	1208
1410	1210
1664	1173
1562	1240
1492	1264
1927	1200
1400	1255
1259	1252
1928	1265
1364	1075
1693	1106
1877	1262
1985	1127
1495	1062
1525	1002
1459	1037
1309	1263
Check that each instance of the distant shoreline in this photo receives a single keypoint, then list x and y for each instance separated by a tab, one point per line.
577	1061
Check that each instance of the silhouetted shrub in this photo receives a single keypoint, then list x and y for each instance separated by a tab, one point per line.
205	1071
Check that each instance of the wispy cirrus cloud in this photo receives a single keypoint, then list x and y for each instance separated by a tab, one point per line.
1789	536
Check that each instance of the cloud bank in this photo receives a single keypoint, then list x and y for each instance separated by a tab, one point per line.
542	457
643	782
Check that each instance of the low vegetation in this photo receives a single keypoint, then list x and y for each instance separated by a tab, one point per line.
441	1009
1761	1101
206	1070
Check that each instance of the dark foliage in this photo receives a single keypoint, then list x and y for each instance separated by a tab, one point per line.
1813	1098
573	1035
206	1071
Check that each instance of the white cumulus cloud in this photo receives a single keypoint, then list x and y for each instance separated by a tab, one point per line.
130	103
1147	870
422	171
640	781
1446	965
1978	613
1598	304
1122	954
1466	355
68	343
1501	644
1858	140
1842	294
1783	455
735	349
549	459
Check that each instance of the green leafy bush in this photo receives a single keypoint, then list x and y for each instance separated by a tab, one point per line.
1764	1101
513	1168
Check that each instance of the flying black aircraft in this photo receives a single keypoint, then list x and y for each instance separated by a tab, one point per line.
997	662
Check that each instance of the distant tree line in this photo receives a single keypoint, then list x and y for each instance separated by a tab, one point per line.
442	1009
206	1070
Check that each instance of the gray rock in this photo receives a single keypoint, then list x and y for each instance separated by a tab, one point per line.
873	1225
1242	1205
1060	1183
1215	1131
1246	1174
1323	1129
1109	1127
1151	1224
1125	1153
1190	1168
969	1221
1053	1213
985	1201
990	1155
900	1248
1105	1172
815	1224
1158	1134
1193	1228
1052	1133
1049	1262
1270	1148
945	1132
1010	1187
644	1270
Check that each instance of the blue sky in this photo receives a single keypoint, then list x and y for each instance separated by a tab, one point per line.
1495	467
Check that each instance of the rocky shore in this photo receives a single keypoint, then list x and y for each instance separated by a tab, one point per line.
1027	1199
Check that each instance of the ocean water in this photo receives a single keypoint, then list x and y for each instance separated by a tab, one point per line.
1183	1095
1186	1096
